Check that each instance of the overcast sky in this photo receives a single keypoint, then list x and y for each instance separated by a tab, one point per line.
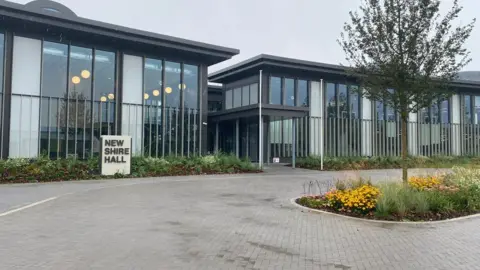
303	29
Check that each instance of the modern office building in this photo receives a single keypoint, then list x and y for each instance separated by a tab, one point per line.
310	108
67	80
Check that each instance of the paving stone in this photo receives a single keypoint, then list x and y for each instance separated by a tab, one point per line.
214	222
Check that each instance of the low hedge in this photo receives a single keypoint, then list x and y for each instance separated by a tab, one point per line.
369	163
46	170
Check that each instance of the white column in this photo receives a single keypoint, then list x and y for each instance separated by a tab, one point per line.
367	125
132	101
456	129
412	128
24	121
316	122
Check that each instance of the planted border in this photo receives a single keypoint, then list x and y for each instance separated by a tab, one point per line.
371	163
46	170
427	198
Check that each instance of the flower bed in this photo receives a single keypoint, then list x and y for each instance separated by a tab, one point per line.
425	198
366	163
46	170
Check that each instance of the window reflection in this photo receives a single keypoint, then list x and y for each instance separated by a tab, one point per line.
228	99
289	92
104	96
190	80
302	93
468	110
435	113
354	102
331	100
245	95
254	93
237	97
153	95
275	90
477	109
79	118
172	112
342	101
445	111
172	85
191	117
53	103
379	109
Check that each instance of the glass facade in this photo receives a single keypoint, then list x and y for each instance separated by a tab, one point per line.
467	105
275	93
245	95
330	100
302	94
69	102
289	92
241	96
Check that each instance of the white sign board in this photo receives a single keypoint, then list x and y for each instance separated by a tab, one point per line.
276	160
116	155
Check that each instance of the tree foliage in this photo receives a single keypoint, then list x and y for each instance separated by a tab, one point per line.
407	46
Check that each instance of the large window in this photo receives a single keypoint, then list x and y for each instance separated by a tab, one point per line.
289	92
302	93
331	100
245	95
254	93
343	101
79	117
445	111
191	118
275	90
241	96
104	96
467	110
173	87
477	109
228	99
153	96
354	105
54	92
237	97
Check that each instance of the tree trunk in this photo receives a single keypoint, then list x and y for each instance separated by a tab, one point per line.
404	150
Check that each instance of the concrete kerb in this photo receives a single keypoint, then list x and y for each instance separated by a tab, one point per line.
386	223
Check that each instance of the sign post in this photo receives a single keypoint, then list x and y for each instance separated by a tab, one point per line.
115	155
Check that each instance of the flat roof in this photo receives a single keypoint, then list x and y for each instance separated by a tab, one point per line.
253	65
50	12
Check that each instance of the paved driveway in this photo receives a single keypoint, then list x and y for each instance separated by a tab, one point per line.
212	222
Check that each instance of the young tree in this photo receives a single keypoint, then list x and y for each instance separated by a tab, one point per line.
405	54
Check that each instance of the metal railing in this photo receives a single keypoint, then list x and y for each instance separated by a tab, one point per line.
344	137
72	127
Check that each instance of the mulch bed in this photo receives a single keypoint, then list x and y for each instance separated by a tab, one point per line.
408	217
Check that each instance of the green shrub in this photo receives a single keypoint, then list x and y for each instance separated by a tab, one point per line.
366	163
44	169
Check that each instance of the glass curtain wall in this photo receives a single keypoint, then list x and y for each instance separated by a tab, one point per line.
241	96
171	109
191	112
387	140
153	96
434	131
77	100
343	124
